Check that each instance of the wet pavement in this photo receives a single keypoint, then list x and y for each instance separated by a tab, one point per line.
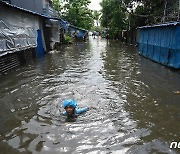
135	107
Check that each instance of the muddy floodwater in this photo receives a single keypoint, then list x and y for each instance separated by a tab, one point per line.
136	104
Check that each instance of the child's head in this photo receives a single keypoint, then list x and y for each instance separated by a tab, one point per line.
69	110
69	106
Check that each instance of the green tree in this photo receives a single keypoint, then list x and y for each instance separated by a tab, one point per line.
96	16
113	16
58	6
129	14
76	12
153	12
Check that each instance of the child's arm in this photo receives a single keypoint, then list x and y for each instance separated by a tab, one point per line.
64	113
81	110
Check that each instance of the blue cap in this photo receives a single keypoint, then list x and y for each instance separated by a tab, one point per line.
69	102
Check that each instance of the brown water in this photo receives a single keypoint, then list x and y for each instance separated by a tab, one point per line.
135	107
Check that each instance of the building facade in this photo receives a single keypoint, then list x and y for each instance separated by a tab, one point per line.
24	33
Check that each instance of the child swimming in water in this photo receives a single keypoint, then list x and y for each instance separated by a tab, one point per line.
71	109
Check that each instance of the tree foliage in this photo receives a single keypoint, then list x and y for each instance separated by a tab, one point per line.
154	11
113	16
96	16
76	12
129	14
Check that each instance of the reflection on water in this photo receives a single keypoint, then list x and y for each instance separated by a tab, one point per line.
134	107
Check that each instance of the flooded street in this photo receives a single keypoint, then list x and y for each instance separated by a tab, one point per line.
135	109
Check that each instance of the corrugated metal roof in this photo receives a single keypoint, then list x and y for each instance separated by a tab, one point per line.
24	10
161	25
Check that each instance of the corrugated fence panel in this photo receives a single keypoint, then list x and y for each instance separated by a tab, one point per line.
164	48
161	44
172	47
141	34
177	53
150	43
145	43
157	44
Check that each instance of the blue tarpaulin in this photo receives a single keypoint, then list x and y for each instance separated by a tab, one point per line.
64	24
70	28
81	32
39	48
161	43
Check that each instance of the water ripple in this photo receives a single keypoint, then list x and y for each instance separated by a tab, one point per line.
131	112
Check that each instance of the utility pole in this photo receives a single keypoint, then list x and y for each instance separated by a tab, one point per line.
179	10
165	6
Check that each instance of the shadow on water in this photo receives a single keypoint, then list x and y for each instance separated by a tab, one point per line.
135	107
